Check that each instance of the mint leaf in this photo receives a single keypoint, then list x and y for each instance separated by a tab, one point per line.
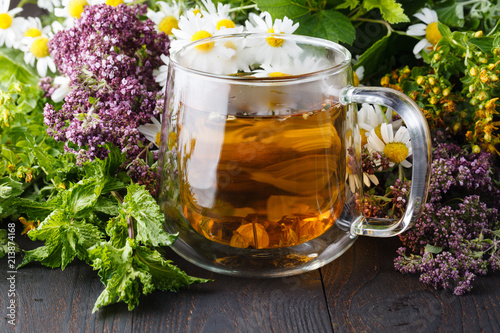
451	14
65	239
127	270
391	11
292	9
142	207
328	24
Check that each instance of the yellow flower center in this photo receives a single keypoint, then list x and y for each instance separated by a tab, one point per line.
75	7
378	131
397	152
273	41
5	21
167	24
225	23
278	74
157	138
432	33
197	11
201	35
114	3
39	47
32	32
355	79
364	139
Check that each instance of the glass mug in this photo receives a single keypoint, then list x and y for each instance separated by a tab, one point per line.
259	137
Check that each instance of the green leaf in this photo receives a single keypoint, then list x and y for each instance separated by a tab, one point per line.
351	4
374	55
142	207
64	238
444	30
292	9
128	270
391	11
450	13
485	44
328	24
433	249
12	65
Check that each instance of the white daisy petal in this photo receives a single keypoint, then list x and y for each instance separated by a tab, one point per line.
387	133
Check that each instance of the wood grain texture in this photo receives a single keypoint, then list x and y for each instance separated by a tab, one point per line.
62	301
359	292
366	294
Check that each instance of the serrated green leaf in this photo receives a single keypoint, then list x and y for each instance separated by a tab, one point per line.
64	238
391	11
128	270
141	206
328	24
292	9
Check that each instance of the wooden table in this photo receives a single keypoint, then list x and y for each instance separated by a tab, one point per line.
359	292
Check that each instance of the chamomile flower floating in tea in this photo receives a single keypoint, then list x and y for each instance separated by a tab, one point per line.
274	49
396	147
11	27
429	29
167	18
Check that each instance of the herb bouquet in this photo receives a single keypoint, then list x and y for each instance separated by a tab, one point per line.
81	92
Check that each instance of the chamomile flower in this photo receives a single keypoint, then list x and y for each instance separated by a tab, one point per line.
371	117
36	49
275	49
294	67
209	56
72	10
161	74
429	29
192	27
33	28
396	147
152	131
167	18
49	5
11	27
219	16
63	89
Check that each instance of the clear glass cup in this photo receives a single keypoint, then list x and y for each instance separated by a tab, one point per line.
259	141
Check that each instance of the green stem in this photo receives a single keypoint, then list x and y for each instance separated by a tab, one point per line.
24	2
242	8
386	24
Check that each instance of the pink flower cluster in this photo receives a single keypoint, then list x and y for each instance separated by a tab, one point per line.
109	56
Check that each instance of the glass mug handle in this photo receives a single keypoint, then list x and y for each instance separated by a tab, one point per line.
418	129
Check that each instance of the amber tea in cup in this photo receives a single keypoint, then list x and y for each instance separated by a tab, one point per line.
254	150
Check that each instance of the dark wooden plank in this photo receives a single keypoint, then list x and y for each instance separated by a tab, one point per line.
366	294
61	301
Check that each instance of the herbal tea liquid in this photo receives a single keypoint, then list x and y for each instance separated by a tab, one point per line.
261	182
